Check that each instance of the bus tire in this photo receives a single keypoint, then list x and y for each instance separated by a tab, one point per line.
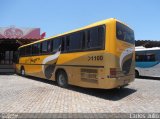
136	74
62	79
23	73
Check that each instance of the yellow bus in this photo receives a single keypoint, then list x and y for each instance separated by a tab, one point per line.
100	55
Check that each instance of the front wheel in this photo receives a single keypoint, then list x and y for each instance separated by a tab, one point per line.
62	79
23	72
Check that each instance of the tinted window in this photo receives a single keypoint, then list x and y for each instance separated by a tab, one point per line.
75	41
62	44
124	33
44	47
151	57
22	51
36	49
146	58
56	44
155	52
96	38
93	38
49	46
29	50
140	58
101	35
67	43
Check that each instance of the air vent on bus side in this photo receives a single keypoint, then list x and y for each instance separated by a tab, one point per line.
89	75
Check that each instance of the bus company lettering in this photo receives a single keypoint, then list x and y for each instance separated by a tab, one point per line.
34	60
31	60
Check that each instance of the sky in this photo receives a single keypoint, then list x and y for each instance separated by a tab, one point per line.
59	16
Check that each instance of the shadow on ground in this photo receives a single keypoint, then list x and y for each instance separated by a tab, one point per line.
148	78
111	94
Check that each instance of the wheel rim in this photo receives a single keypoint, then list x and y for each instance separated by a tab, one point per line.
61	80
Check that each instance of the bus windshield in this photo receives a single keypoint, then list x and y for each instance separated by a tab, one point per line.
124	33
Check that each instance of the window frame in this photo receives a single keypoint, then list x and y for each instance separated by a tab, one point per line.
81	47
53	41
30	53
102	47
38	49
42	52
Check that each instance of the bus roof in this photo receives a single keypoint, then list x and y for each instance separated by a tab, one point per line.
89	26
141	48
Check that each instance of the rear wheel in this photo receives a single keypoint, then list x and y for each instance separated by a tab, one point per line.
136	74
62	79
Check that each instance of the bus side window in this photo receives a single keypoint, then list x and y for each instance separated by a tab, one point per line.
22	52
49	42
39	48
141	58
29	50
56	44
36	49
75	43
84	40
151	57
158	57
62	44
95	38
44	47
156	53
67	43
137	57
94	43
101	36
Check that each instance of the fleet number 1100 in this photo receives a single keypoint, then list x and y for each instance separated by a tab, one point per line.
95	58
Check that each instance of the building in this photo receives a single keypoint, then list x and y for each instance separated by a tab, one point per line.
10	39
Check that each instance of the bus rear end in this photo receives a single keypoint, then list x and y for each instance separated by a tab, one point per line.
121	57
125	55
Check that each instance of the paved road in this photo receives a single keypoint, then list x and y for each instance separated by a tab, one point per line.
31	95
